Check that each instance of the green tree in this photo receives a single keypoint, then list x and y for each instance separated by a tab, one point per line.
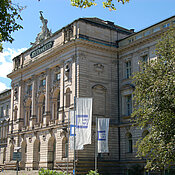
154	99
9	14
88	3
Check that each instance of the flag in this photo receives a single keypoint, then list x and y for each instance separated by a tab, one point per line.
83	122
103	129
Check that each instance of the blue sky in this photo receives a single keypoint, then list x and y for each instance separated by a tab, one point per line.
138	14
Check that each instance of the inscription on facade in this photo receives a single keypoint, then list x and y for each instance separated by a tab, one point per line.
41	49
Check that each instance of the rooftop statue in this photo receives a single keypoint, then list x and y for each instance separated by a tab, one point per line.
45	32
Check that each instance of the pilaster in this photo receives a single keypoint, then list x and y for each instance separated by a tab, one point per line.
11	111
33	118
47	114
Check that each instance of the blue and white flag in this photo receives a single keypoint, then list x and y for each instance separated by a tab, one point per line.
83	122
103	129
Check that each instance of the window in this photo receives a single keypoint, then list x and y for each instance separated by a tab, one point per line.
2	112
43	106
64	147
166	25
30	110
128	68
129	143
156	29
131	40
145	58
57	76
43	82
29	89
68	97
7	110
147	33
15	113
58	104
128	105
138	36
68	33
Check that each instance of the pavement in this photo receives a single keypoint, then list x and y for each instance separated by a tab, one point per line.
22	172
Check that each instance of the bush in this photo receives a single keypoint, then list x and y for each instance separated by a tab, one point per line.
51	172
91	172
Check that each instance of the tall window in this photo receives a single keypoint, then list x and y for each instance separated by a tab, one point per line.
43	106
128	105
128	68
67	97
7	110
43	82
27	118
64	147
57	76
15	113
30	110
129	143
29	89
58	104
2	111
145	58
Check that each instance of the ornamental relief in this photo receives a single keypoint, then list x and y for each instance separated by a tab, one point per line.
56	69
42	75
98	67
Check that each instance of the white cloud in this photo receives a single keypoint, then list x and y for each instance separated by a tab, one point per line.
6	57
6	64
3	87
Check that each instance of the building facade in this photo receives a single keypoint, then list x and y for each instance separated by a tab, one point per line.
4	122
87	58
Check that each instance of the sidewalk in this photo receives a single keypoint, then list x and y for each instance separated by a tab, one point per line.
22	172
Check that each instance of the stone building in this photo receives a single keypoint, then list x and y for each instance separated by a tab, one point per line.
88	58
4	122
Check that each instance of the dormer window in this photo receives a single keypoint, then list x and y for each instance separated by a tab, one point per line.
68	33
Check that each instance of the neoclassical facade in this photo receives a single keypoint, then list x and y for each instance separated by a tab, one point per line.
88	58
4	122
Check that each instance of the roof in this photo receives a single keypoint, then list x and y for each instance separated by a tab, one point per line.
108	24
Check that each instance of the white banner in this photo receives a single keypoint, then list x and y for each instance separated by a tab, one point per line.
83	122
103	129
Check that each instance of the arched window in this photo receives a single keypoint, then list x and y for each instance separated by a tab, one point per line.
129	143
65	147
67	97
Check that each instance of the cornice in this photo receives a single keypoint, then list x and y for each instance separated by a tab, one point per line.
142	41
61	49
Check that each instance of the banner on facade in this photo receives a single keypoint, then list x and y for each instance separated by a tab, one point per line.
82	124
103	129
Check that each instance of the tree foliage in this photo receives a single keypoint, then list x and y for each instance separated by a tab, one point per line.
9	14
154	99
88	3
